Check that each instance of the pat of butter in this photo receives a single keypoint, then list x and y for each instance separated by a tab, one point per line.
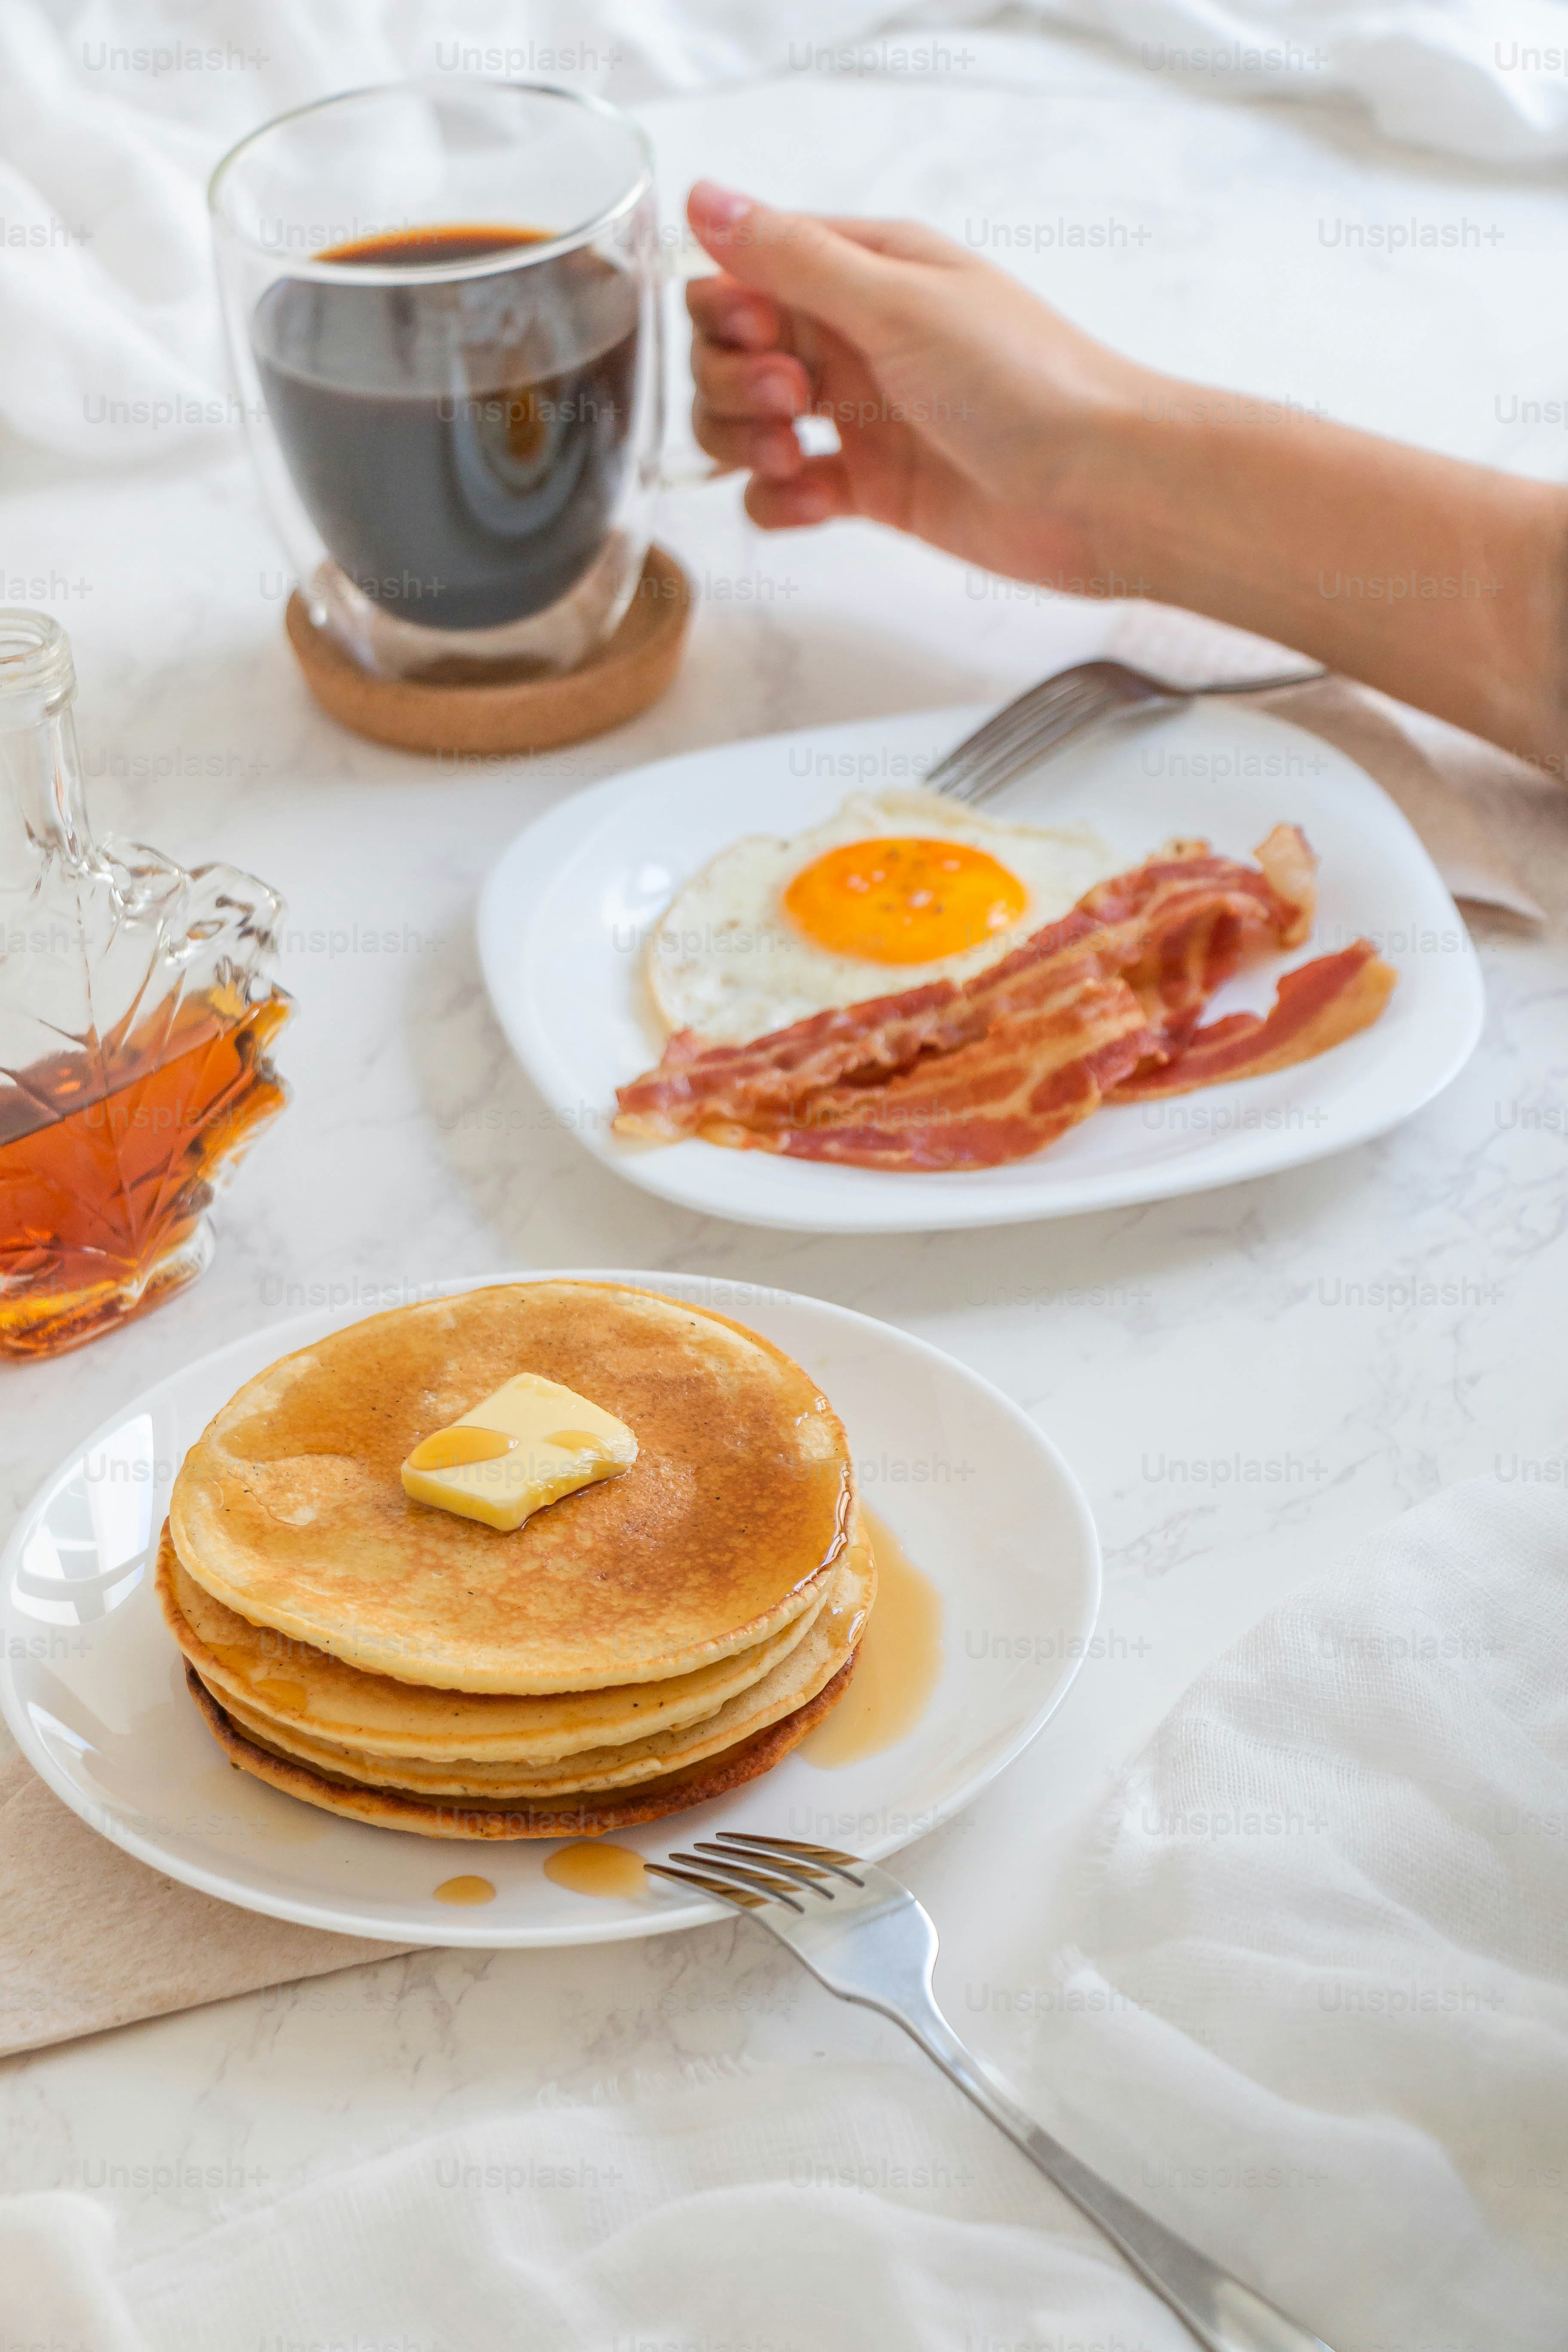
515	1452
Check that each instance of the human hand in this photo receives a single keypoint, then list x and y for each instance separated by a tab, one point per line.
968	412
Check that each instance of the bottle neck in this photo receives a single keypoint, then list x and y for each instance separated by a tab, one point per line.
42	808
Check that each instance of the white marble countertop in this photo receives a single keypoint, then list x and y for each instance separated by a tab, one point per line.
1236	1321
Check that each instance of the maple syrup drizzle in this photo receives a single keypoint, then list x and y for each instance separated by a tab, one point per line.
591	1867
899	1665
579	1440
287	1698
465	1890
462	1442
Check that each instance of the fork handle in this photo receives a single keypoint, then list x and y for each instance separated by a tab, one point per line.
1222	2314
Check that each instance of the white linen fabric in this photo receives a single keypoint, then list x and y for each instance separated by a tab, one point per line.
1325	2006
1486	78
867	2210
113	113
1316	2016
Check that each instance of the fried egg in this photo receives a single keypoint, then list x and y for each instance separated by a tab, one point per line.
897	889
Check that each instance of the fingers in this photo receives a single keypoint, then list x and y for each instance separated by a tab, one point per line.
731	313
747	383
770	450
819	490
802	262
754	335
745	396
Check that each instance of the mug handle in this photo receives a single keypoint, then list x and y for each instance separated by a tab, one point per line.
677	265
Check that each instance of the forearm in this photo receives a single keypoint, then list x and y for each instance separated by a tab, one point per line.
1445	584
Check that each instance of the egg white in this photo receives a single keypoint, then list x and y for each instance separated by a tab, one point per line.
728	961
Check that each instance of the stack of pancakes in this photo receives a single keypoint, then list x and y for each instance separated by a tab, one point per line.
639	1647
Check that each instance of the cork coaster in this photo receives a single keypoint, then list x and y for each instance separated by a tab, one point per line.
515	714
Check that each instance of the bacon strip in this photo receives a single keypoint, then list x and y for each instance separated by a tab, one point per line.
1317	1006
696	1085
1001	1097
1103	1006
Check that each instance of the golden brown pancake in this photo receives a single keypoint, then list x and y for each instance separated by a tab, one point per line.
289	1508
796	1679
566	1817
299	1690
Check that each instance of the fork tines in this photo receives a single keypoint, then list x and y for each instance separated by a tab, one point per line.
797	1849
746	1899
717	1868
1021	732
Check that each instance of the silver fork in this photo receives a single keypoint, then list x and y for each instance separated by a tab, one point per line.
1062	708
866	1938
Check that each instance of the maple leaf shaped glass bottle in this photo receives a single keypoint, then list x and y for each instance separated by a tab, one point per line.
136	1008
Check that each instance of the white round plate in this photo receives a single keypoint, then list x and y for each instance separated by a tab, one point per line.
568	910
91	1683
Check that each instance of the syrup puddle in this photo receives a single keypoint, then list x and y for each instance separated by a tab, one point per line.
465	1890
900	1659
593	1868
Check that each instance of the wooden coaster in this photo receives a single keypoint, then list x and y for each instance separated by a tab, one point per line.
515	714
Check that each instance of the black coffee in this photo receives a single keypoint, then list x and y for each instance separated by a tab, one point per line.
460	446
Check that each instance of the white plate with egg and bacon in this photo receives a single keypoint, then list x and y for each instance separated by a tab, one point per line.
780	982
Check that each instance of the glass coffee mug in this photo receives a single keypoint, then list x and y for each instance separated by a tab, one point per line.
443	307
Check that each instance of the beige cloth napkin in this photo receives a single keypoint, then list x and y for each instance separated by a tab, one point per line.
92	1937
1481	812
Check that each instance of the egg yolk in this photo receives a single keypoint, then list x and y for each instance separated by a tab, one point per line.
904	902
